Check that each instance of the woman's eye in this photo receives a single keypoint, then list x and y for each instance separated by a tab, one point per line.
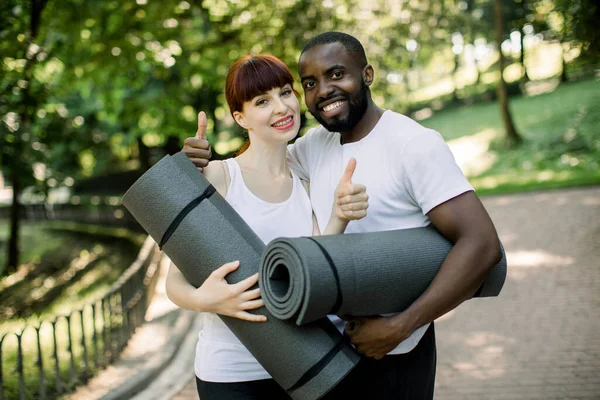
261	102
286	92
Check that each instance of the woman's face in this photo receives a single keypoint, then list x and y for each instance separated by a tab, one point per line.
273	116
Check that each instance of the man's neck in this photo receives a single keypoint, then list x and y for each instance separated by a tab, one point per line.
365	125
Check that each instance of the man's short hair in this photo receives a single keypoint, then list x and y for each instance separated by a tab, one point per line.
352	45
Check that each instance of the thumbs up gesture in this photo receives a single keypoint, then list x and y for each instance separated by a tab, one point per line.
197	148
350	200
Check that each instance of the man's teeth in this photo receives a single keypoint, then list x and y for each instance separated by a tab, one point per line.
333	106
284	122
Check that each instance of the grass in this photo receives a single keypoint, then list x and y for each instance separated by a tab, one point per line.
74	263
54	242
561	132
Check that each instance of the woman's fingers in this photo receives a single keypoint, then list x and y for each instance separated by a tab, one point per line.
360	205
246	316
353	198
252	304
245	284
250	294
225	269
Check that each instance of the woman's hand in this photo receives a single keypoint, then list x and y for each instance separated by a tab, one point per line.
351	200
234	300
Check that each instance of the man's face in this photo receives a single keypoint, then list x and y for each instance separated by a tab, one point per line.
334	88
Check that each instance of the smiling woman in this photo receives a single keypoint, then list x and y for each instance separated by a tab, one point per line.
258	78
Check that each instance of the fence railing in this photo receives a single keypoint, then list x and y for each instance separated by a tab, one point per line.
101	214
50	358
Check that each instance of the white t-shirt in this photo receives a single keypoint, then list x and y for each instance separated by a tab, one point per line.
407	169
220	356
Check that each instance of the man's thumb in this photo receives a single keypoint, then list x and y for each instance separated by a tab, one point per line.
347	177
202	123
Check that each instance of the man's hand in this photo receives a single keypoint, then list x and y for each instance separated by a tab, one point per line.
197	148
374	337
351	200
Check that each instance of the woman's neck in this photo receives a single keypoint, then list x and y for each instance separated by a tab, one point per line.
266	159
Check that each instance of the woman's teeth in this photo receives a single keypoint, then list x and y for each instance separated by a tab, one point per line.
283	123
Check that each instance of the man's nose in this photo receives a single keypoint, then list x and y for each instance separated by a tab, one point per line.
324	90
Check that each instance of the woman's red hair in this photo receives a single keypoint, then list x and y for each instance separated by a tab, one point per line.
251	76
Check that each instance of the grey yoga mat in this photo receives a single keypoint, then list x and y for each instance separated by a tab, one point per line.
356	274
200	231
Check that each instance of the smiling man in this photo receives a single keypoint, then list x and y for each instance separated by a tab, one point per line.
413	181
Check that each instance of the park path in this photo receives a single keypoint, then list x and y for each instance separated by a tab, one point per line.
541	338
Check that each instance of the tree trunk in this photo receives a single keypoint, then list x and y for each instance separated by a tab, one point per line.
525	76
512	137
28	107
563	73
143	154
15	211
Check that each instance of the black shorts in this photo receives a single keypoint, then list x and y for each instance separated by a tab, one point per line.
248	390
409	376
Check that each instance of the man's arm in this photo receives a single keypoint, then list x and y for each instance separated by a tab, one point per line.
428	172
197	148
464	221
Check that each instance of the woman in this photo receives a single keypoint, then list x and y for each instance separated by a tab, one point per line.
260	186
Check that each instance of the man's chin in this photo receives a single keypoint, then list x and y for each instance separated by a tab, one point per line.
335	125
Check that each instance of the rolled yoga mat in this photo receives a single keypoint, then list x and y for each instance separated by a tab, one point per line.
358	274
200	231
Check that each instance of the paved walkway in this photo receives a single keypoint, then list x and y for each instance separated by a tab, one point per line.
541	338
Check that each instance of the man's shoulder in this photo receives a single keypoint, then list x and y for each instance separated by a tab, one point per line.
405	122
402	130
318	135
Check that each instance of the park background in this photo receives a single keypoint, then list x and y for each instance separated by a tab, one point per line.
92	93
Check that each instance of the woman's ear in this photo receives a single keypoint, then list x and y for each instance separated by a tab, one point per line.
239	118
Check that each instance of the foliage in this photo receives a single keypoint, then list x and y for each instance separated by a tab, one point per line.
561	139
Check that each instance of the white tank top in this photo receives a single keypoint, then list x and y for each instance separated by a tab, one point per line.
220	356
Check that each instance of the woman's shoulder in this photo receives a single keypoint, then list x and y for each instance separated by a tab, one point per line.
217	173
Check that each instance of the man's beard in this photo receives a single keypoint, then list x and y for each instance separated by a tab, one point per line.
357	107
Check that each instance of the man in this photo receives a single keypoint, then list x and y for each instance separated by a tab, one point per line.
412	181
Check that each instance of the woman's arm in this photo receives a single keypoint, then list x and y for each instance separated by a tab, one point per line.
215	294
350	202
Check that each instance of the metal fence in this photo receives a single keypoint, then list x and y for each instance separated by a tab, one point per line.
52	357
101	213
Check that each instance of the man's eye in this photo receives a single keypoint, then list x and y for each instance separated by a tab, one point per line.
309	85
337	75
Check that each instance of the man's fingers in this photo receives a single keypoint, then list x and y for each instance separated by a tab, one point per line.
225	269
199	162
202	123
193	146
195	152
246	316
245	284
350	167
